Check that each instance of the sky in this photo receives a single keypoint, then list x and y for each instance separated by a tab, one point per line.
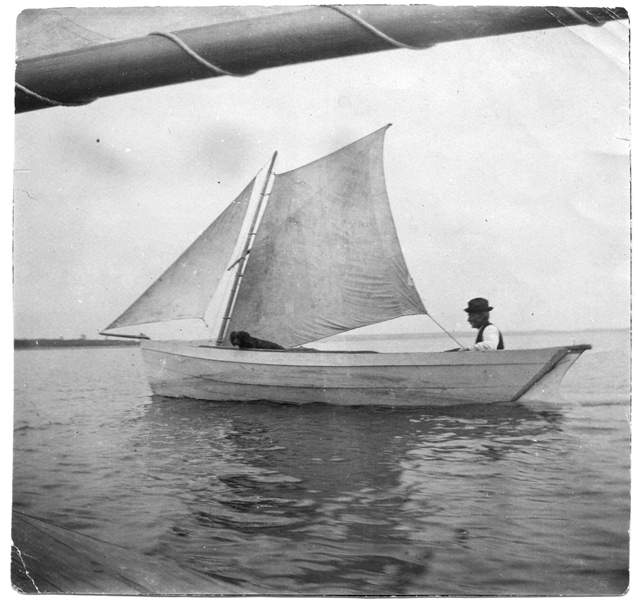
507	169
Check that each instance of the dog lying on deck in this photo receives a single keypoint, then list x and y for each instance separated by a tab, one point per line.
244	340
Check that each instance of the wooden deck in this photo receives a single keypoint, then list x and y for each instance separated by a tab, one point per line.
46	558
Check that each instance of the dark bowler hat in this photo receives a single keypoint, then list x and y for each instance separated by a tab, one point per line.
478	305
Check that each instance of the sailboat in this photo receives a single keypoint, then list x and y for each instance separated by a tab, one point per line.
302	256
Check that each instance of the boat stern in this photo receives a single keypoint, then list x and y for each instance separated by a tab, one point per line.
545	386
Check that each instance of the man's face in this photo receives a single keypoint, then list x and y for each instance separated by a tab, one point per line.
476	319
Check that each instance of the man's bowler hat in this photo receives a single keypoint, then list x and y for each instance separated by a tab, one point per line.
478	305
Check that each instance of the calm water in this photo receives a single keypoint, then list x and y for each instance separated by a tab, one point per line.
483	500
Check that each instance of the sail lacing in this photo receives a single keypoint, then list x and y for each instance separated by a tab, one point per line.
223	72
194	55
51	101
372	29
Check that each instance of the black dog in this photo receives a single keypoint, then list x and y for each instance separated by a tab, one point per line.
244	340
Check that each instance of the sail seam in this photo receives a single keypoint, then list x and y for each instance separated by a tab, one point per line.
194	55
374	30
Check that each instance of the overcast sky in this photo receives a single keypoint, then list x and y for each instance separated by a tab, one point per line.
507	169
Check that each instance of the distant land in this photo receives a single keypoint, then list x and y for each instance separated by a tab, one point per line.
467	333
56	343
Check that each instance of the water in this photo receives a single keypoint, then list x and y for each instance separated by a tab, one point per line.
503	499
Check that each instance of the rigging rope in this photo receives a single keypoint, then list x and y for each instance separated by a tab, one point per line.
194	55
371	28
51	101
223	72
445	331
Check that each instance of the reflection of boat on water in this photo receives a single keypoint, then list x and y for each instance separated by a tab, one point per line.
315	253
344	489
322	498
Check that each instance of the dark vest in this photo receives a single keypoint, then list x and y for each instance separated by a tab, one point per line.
481	339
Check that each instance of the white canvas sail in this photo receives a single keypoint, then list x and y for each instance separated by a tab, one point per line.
186	288
326	258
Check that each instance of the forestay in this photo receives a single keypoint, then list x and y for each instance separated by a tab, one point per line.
326	258
186	288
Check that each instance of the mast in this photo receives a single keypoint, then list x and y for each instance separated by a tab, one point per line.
241	262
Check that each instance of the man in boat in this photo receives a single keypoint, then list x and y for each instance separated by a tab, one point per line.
489	337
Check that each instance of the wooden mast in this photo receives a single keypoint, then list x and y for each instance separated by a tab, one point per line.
241	262
245	46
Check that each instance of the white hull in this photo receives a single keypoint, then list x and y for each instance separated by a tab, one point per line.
189	369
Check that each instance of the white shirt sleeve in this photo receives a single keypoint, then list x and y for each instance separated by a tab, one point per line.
491	338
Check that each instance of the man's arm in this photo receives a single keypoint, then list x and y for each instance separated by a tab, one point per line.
491	338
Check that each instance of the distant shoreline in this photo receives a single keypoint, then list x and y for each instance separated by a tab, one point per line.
58	343
469	333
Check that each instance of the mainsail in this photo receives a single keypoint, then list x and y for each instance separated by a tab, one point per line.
186	288
326	258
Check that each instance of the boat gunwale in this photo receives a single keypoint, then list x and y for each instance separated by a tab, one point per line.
362	359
